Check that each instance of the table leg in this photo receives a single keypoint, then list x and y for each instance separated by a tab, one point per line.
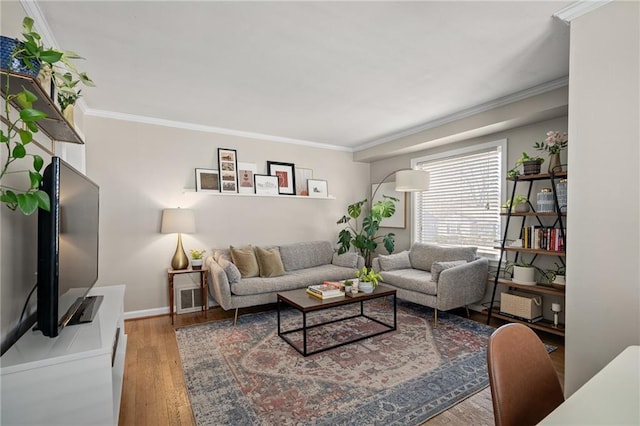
171	297
203	292
304	333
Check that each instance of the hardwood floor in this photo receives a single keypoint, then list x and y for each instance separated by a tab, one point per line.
154	392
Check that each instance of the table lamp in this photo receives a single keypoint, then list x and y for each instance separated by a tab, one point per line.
178	221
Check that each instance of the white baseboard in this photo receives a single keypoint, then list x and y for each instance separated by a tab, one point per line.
146	313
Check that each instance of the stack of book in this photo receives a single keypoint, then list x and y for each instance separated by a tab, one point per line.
325	291
543	238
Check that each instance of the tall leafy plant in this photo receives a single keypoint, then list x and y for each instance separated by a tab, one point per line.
363	235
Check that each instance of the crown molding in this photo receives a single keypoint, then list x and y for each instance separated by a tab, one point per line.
209	129
496	103
577	9
32	10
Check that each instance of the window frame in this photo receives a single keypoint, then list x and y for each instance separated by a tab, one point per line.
501	145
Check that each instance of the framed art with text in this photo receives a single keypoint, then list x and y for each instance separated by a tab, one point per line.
228	167
207	180
266	184
286	176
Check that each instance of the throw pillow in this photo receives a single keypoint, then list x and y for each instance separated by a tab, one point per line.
346	260
232	271
245	260
392	262
438	267
269	262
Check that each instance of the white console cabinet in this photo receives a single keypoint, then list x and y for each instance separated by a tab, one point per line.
72	379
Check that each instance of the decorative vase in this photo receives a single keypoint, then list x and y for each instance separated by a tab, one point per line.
67	113
7	46
555	166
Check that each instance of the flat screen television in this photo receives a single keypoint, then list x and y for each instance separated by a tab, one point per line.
67	249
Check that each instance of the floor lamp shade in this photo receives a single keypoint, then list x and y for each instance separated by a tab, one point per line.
412	181
178	221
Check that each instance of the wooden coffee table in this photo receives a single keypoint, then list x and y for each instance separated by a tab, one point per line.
305	303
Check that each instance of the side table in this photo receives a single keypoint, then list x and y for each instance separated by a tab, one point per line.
171	273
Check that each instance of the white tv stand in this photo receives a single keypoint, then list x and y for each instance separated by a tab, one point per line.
68	379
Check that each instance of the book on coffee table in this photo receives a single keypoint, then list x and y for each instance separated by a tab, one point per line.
324	297
325	290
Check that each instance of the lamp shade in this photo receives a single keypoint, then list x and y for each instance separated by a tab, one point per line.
178	221
412	180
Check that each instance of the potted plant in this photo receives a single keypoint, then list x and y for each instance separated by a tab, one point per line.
53	63
523	273
368	279
520	204
363	236
196	258
557	276
530	166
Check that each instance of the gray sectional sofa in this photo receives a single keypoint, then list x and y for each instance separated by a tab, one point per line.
442	278
305	263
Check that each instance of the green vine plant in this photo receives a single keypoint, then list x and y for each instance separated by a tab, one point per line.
19	133
363	237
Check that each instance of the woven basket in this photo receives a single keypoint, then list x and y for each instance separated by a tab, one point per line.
7	46
521	305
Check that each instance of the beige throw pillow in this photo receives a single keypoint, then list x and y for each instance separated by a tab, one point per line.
270	262
245	259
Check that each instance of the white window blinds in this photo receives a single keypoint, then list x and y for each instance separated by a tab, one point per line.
462	205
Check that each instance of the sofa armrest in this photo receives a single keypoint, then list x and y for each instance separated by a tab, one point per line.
219	284
463	284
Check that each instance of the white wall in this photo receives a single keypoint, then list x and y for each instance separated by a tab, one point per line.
143	168
603	295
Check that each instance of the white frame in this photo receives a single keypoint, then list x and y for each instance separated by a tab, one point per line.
200	172
261	180
248	168
317	188
302	175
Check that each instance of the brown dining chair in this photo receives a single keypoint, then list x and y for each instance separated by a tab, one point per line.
524	384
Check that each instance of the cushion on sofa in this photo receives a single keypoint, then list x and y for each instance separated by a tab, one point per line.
423	255
232	271
306	254
395	261
245	259
269	262
438	267
346	260
411	279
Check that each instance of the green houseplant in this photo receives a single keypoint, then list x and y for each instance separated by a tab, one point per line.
15	138
369	279
524	273
56	64
364	236
520	204
530	165
196	258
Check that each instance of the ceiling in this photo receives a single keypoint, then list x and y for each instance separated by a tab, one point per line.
348	74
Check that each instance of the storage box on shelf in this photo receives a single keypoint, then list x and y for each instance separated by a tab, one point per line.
539	239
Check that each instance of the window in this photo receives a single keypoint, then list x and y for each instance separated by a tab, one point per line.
462	205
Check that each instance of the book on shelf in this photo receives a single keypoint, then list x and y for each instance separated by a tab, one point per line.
325	289
324	296
543	238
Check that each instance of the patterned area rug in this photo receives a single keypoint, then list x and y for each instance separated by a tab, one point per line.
247	375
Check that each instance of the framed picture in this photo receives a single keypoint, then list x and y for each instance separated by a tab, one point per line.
317	188
245	177
207	180
389	189
286	176
266	184
301	180
228	166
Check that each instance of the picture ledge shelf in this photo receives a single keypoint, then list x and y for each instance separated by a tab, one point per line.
227	194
